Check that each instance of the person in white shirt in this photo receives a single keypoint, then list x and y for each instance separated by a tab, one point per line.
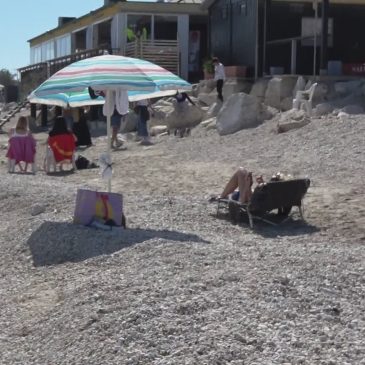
219	76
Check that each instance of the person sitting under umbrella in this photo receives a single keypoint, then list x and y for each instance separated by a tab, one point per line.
22	146
62	145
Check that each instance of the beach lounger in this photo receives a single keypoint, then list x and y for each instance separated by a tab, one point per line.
280	195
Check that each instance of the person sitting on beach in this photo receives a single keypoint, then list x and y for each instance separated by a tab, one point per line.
62	143
243	180
22	146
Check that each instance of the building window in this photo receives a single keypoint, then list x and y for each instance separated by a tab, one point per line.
35	55
47	50
63	46
80	40
138	26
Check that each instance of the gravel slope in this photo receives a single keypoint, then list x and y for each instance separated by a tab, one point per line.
181	286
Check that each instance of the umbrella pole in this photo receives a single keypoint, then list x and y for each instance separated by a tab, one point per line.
108	129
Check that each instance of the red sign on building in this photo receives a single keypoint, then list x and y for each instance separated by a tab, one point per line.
354	68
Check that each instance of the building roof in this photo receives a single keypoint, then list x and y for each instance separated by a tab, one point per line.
191	7
206	4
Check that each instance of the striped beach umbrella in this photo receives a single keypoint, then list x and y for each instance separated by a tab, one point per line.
111	74
66	100
82	98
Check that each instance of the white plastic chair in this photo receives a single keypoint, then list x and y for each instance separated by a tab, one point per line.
50	161
304	98
12	164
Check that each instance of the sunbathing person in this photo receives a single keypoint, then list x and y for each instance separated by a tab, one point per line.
243	180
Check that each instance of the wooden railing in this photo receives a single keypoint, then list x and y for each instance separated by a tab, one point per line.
61	62
58	63
164	53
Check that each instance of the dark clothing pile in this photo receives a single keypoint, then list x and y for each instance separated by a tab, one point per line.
81	131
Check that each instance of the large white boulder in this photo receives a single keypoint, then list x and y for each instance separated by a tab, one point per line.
188	116
259	89
286	103
234	86
272	93
354	87
238	112
207	93
278	89
208	98
205	86
287	86
174	115
353	109
323	109
299	86
161	109
129	124
292	119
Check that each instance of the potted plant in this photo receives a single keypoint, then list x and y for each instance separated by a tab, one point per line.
208	69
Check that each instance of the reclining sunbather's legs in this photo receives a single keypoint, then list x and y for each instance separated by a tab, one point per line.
241	179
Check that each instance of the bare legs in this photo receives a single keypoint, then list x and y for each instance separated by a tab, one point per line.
241	179
115	142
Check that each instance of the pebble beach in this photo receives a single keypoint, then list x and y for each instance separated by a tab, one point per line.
181	285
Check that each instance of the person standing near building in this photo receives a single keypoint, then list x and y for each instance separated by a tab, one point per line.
219	76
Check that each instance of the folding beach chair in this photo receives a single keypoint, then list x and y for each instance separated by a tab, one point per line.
60	150
280	195
21	149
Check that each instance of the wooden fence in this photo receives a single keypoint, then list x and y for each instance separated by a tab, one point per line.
164	53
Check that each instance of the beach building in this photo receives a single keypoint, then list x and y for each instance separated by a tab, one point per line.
171	34
285	36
